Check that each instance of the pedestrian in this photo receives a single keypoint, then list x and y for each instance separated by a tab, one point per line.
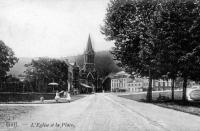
57	97
42	99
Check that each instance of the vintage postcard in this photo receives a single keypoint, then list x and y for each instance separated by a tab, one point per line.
99	65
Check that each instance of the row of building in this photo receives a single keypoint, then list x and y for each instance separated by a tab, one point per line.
122	81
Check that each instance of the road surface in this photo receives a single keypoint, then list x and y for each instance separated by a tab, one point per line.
105	112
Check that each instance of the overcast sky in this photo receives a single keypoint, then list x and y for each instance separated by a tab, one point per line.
53	28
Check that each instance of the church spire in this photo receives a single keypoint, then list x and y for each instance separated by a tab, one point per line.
89	46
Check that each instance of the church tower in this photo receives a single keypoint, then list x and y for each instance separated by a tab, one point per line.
89	55
88	74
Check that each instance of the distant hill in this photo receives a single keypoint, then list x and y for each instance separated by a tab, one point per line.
19	67
103	61
105	64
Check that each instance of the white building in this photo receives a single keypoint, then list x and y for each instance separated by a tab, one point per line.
137	85
119	81
162	84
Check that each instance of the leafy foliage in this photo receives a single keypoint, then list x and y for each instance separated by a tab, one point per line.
46	70
131	24
155	38
7	59
180	34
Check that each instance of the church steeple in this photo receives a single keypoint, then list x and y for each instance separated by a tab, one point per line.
89	56
89	48
88	72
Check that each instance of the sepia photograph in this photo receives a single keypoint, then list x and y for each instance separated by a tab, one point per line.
99	65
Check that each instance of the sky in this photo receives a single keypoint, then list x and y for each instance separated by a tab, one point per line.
52	28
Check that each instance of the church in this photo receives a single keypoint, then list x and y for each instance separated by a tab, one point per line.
85	80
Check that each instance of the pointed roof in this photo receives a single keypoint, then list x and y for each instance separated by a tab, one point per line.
76	66
89	46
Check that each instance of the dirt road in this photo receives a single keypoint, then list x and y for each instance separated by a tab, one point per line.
105	112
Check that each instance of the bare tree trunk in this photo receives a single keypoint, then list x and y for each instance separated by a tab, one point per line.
173	82
184	88
149	90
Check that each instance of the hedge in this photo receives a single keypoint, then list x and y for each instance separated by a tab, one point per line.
31	96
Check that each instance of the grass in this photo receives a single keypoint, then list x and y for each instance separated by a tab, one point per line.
188	107
177	104
155	95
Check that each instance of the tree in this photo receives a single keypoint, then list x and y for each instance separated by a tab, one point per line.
7	60
46	70
180	24
131	24
155	38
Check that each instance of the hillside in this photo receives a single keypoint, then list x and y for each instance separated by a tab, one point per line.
19	67
103	61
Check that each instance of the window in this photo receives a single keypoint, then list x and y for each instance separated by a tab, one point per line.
165	83
169	83
156	83
161	83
